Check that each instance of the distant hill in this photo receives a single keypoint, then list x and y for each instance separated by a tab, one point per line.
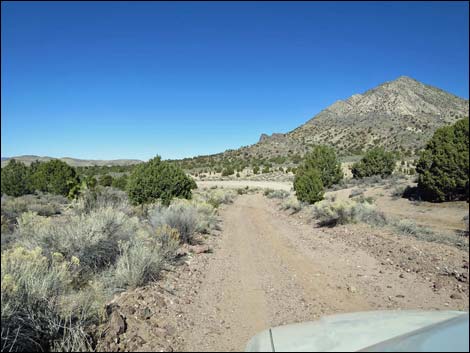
28	159
400	114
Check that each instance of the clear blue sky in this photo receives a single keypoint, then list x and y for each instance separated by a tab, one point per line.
135	79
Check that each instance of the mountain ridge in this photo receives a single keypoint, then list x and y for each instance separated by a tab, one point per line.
74	162
398	114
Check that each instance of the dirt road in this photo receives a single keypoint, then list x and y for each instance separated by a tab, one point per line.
234	184
269	269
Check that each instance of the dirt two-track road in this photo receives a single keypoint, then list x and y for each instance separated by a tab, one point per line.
269	269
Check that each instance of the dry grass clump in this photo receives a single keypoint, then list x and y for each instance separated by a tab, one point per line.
93	238
37	310
331	213
276	194
59	271
144	256
409	228
216	196
188	217
291	203
42	204
102	197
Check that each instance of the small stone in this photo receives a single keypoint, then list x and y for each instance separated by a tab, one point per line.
401	275
146	313
455	296
117	324
160	332
200	249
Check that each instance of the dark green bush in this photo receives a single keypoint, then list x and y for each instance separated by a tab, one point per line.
255	170
308	185
120	182
443	166
376	161
15	179
106	180
228	171
323	159
158	180
55	177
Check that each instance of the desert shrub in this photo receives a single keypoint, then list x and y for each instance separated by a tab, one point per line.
180	216
228	171
357	192
308	185
220	196
331	197
106	180
323	159
399	191
140	262
256	170
266	170
12	207
93	238
376	161
55	177
120	182
207	217
42	204
408	227
89	182
158	180
276	194
331	213
143	257
169	241
443	168
101	197
291	203
35	306
15	179
241	191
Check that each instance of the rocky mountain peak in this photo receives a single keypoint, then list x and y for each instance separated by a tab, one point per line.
398	114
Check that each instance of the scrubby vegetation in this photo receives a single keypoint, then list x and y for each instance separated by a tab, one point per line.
331	213
276	194
320	168
58	272
376	161
41	310
323	159
158	180
15	179
218	196
291	203
55	177
443	168
308	185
